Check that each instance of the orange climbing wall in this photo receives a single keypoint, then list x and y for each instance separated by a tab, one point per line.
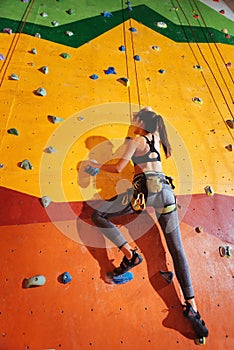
89	313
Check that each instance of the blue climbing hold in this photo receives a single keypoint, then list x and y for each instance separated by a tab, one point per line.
137	58
122	48
110	70
94	76
66	277
162	71
107	14
133	30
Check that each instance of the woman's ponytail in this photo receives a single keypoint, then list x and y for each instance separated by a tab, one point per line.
163	136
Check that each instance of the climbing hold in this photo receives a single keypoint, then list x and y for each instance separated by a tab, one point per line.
161	24
228	64
44	69
80	118
133	30
2	58
26	165
55	23
162	71
167	275
34	51
54	119
65	55
7	30
225	31
1	165
209	190
45	201
122	48
124	81
66	277
35	281
43	14
25	0
107	14
199	229
137	58
230	123
37	35
222	12
13	131
229	147
41	92
155	47
70	11
198	67
14	77
91	171
197	100
227	36
69	33
94	76
110	70
225	251
50	149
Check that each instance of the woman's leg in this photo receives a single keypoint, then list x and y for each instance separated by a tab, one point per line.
117	206
167	215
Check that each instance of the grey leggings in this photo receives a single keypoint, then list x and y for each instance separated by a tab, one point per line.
169	223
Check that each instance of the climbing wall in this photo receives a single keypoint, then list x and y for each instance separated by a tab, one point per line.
71	75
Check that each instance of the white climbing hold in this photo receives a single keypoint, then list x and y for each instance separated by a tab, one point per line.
69	33
44	69
45	201
41	92
44	14
54	119
37	35
161	24
55	23
14	77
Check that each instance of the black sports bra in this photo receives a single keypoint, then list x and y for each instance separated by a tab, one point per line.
145	158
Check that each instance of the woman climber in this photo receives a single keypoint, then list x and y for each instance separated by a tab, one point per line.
150	187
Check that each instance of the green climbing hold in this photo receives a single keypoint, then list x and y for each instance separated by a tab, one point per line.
65	55
26	165
13	131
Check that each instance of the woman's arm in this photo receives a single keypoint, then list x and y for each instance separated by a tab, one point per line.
122	162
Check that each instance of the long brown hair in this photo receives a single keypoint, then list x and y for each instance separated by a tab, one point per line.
154	122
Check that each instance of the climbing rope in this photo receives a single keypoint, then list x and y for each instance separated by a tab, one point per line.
209	66
132	54
15	40
211	37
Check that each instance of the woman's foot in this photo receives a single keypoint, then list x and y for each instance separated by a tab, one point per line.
128	264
